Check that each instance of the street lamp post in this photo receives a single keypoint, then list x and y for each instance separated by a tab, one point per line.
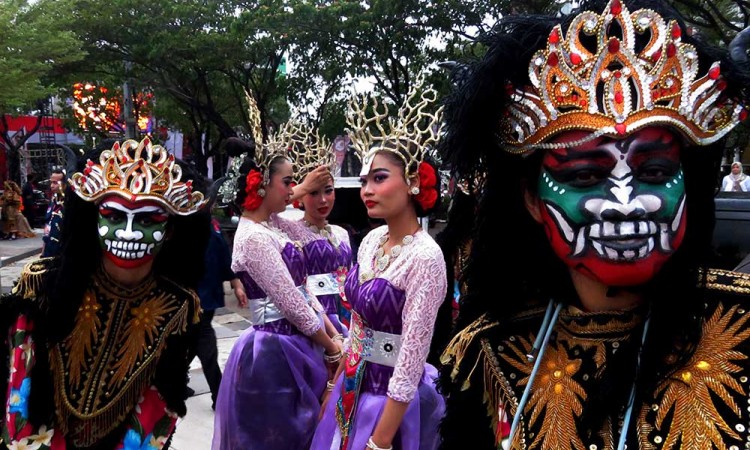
128	103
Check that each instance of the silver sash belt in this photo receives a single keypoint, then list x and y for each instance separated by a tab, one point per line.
322	284
264	310
375	346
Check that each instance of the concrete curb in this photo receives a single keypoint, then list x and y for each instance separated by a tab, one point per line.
23	255
8	260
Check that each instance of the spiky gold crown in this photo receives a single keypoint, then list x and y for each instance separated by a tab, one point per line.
409	135
265	150
305	147
620	87
138	172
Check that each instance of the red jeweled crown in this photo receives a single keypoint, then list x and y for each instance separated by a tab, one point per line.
640	74
138	172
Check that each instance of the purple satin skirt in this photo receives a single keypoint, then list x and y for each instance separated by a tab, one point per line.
419	428
270	393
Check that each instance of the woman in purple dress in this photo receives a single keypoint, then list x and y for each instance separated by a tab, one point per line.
328	252
385	396
276	373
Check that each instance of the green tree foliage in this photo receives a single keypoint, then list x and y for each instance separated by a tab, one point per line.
37	49
719	20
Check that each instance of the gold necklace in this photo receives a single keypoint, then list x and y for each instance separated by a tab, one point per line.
326	232
383	259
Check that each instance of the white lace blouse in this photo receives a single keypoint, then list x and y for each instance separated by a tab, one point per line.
257	251
419	271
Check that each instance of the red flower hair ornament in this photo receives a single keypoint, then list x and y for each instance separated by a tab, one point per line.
427	195
253	182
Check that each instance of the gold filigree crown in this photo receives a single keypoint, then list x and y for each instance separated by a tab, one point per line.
138	172
304	146
265	150
620	87
417	127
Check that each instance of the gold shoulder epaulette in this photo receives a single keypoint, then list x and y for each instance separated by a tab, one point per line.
725	281
456	350
32	277
193	299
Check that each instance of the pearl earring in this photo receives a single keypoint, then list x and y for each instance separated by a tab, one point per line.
414	190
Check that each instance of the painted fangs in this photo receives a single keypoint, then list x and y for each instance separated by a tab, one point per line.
563	224
580	242
128	250
664	235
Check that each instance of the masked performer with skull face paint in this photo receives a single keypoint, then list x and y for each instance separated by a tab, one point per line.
601	133
95	342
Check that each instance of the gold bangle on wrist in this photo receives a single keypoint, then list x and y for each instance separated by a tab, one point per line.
331	359
330	384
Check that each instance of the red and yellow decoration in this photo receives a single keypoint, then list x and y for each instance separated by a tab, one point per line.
620	86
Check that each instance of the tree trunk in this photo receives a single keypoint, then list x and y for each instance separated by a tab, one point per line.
13	144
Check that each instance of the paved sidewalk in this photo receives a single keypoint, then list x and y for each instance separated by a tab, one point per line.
195	431
16	254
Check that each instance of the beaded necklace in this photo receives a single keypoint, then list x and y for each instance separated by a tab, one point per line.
382	259
326	232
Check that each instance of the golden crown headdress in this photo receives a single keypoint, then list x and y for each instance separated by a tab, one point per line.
417	127
305	147
138	172
265	150
620	87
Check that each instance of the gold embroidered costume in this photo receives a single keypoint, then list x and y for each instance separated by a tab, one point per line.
112	355
703	405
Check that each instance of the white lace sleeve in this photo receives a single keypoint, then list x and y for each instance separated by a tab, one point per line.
425	288
259	255
295	229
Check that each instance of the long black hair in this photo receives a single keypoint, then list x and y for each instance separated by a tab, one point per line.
504	230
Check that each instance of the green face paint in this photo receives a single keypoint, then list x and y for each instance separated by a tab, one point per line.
615	209
131	234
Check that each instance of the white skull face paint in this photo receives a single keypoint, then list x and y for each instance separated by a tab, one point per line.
133	232
615	208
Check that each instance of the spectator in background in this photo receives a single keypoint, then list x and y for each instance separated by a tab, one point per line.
54	217
736	181
27	193
13	224
218	261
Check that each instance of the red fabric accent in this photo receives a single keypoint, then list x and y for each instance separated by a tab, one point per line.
253	200
296	203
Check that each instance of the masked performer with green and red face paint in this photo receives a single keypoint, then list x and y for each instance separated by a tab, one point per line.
591	320
95	342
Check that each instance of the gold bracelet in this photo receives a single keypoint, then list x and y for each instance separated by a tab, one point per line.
331	359
338	337
330	384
